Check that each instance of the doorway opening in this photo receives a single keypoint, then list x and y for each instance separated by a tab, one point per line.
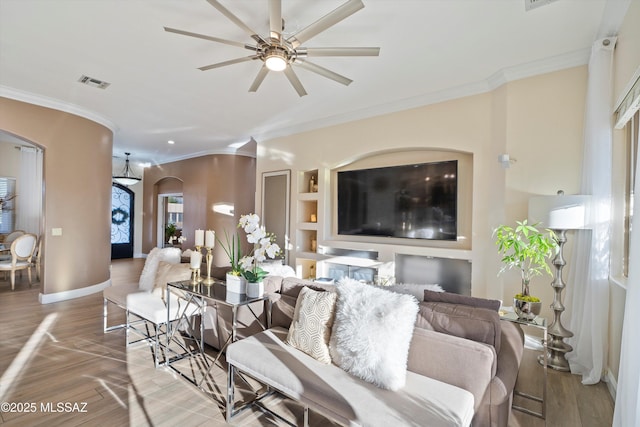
170	219
122	206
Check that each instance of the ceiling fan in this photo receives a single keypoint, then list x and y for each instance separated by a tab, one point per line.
278	53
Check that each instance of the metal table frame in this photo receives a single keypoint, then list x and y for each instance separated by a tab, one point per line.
199	294
538	323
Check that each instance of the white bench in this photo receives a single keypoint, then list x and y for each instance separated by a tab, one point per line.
152	308
333	392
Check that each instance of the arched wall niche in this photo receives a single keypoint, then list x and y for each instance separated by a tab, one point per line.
408	156
168	185
77	151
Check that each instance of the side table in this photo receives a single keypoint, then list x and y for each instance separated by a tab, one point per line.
538	323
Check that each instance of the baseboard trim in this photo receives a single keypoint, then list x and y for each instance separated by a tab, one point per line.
74	293
612	384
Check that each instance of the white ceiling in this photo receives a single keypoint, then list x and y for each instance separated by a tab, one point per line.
431	50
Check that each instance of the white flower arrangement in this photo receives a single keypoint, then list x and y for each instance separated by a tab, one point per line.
264	247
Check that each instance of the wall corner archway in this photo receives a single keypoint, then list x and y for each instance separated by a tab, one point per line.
82	214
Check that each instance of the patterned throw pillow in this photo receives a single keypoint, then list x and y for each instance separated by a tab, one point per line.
312	321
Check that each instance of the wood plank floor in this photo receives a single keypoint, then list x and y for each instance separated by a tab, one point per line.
57	354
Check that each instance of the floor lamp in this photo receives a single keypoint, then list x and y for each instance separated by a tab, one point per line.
559	213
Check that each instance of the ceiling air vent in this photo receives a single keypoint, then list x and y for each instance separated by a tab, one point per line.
90	81
532	4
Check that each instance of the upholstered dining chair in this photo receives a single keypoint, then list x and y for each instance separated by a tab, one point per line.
8	239
36	258
21	252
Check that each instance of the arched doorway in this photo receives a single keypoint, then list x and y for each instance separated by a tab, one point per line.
170	211
122	210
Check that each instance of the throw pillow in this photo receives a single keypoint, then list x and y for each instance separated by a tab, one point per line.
372	332
464	321
413	289
148	275
312	321
451	298
168	272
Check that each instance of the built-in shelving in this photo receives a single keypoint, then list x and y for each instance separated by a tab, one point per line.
308	218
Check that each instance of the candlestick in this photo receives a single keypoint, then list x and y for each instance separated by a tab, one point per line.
195	276
209	257
209	238
195	263
199	237
196	259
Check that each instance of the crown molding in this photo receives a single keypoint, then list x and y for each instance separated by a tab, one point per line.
225	151
506	75
56	104
535	68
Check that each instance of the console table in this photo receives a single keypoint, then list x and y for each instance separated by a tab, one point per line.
199	294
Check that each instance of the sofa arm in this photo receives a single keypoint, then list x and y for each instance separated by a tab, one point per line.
457	361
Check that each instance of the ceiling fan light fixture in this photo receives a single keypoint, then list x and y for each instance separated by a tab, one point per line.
127	177
275	61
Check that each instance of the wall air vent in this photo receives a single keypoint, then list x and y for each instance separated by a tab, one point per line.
532	4
90	81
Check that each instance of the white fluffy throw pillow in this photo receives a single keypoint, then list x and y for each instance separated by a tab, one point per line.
372	332
148	275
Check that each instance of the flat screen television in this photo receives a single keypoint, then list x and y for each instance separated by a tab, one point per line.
417	201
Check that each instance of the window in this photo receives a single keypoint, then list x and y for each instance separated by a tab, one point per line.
627	118
631	155
7	207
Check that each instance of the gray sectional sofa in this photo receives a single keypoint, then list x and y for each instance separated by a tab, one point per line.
461	358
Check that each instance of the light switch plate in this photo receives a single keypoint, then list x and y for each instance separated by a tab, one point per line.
56	231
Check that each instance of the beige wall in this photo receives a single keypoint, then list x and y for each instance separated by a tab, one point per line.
81	256
531	119
206	181
627	53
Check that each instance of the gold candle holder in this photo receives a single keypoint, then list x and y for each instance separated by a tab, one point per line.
209	257
195	276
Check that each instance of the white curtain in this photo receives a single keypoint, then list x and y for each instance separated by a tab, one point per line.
29	200
627	409
588	285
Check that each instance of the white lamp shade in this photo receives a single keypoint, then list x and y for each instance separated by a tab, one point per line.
560	212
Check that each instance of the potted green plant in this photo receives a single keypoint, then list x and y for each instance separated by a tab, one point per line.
232	247
170	232
526	249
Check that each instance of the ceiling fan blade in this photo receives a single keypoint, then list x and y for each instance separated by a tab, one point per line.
330	19
230	62
339	51
324	72
259	78
210	38
233	18
275	18
295	82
